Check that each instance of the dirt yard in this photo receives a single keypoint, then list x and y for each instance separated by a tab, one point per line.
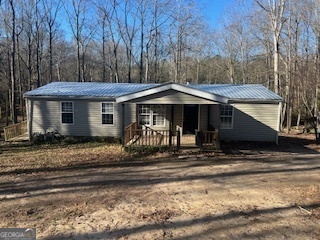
93	191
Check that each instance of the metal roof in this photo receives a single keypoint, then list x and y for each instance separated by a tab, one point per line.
247	92
239	92
87	89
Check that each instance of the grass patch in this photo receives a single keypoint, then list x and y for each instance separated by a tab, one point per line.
28	158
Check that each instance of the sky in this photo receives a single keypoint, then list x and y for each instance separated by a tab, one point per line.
213	10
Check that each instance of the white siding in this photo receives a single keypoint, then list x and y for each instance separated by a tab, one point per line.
130	113
46	114
214	118
253	122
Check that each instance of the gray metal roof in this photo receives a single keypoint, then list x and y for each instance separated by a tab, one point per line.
87	89
114	90
239	92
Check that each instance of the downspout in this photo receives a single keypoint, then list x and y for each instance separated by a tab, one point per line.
123	123
278	125
28	118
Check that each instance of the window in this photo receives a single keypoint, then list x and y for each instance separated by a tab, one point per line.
144	115
107	113
226	117
67	112
158	115
152	115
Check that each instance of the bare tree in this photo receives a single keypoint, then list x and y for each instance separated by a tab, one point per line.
10	22
128	32
82	32
275	12
110	24
51	11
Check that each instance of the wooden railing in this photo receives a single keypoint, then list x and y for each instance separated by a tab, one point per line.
150	137
15	130
205	139
130	132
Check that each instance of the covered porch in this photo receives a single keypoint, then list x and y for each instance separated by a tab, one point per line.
172	115
137	136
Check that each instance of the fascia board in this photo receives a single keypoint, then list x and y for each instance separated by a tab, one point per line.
69	97
200	94
143	93
274	101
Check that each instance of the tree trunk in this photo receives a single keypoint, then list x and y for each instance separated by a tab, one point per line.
13	67
276	64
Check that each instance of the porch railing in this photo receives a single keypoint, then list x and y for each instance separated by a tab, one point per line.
130	132
15	130
134	136
208	139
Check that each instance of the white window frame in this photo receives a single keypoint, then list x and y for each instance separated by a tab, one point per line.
226	116
61	112
151	114
102	113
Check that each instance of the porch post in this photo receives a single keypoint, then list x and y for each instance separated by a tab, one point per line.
219	123
199	118
208	119
171	118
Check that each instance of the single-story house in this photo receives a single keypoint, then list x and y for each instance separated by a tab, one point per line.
248	112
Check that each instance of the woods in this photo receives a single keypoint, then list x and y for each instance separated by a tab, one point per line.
275	43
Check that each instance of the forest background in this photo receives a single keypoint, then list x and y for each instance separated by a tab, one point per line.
275	43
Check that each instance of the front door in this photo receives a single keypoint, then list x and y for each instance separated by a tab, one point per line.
190	118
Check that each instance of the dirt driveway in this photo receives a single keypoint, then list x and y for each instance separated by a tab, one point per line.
259	192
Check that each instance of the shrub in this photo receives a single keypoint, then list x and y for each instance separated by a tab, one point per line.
147	150
45	138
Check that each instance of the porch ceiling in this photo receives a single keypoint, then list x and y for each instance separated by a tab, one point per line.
172	94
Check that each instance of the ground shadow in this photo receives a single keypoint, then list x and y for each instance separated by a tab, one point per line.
125	232
287	144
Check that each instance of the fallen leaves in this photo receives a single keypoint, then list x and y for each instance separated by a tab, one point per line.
158	216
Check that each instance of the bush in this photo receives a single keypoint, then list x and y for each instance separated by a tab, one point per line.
45	138
79	139
147	150
50	138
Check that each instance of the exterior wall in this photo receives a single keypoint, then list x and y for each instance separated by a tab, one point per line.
130	113
214	118
171	96
46	114
251	122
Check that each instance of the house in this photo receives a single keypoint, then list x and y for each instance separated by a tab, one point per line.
237	112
